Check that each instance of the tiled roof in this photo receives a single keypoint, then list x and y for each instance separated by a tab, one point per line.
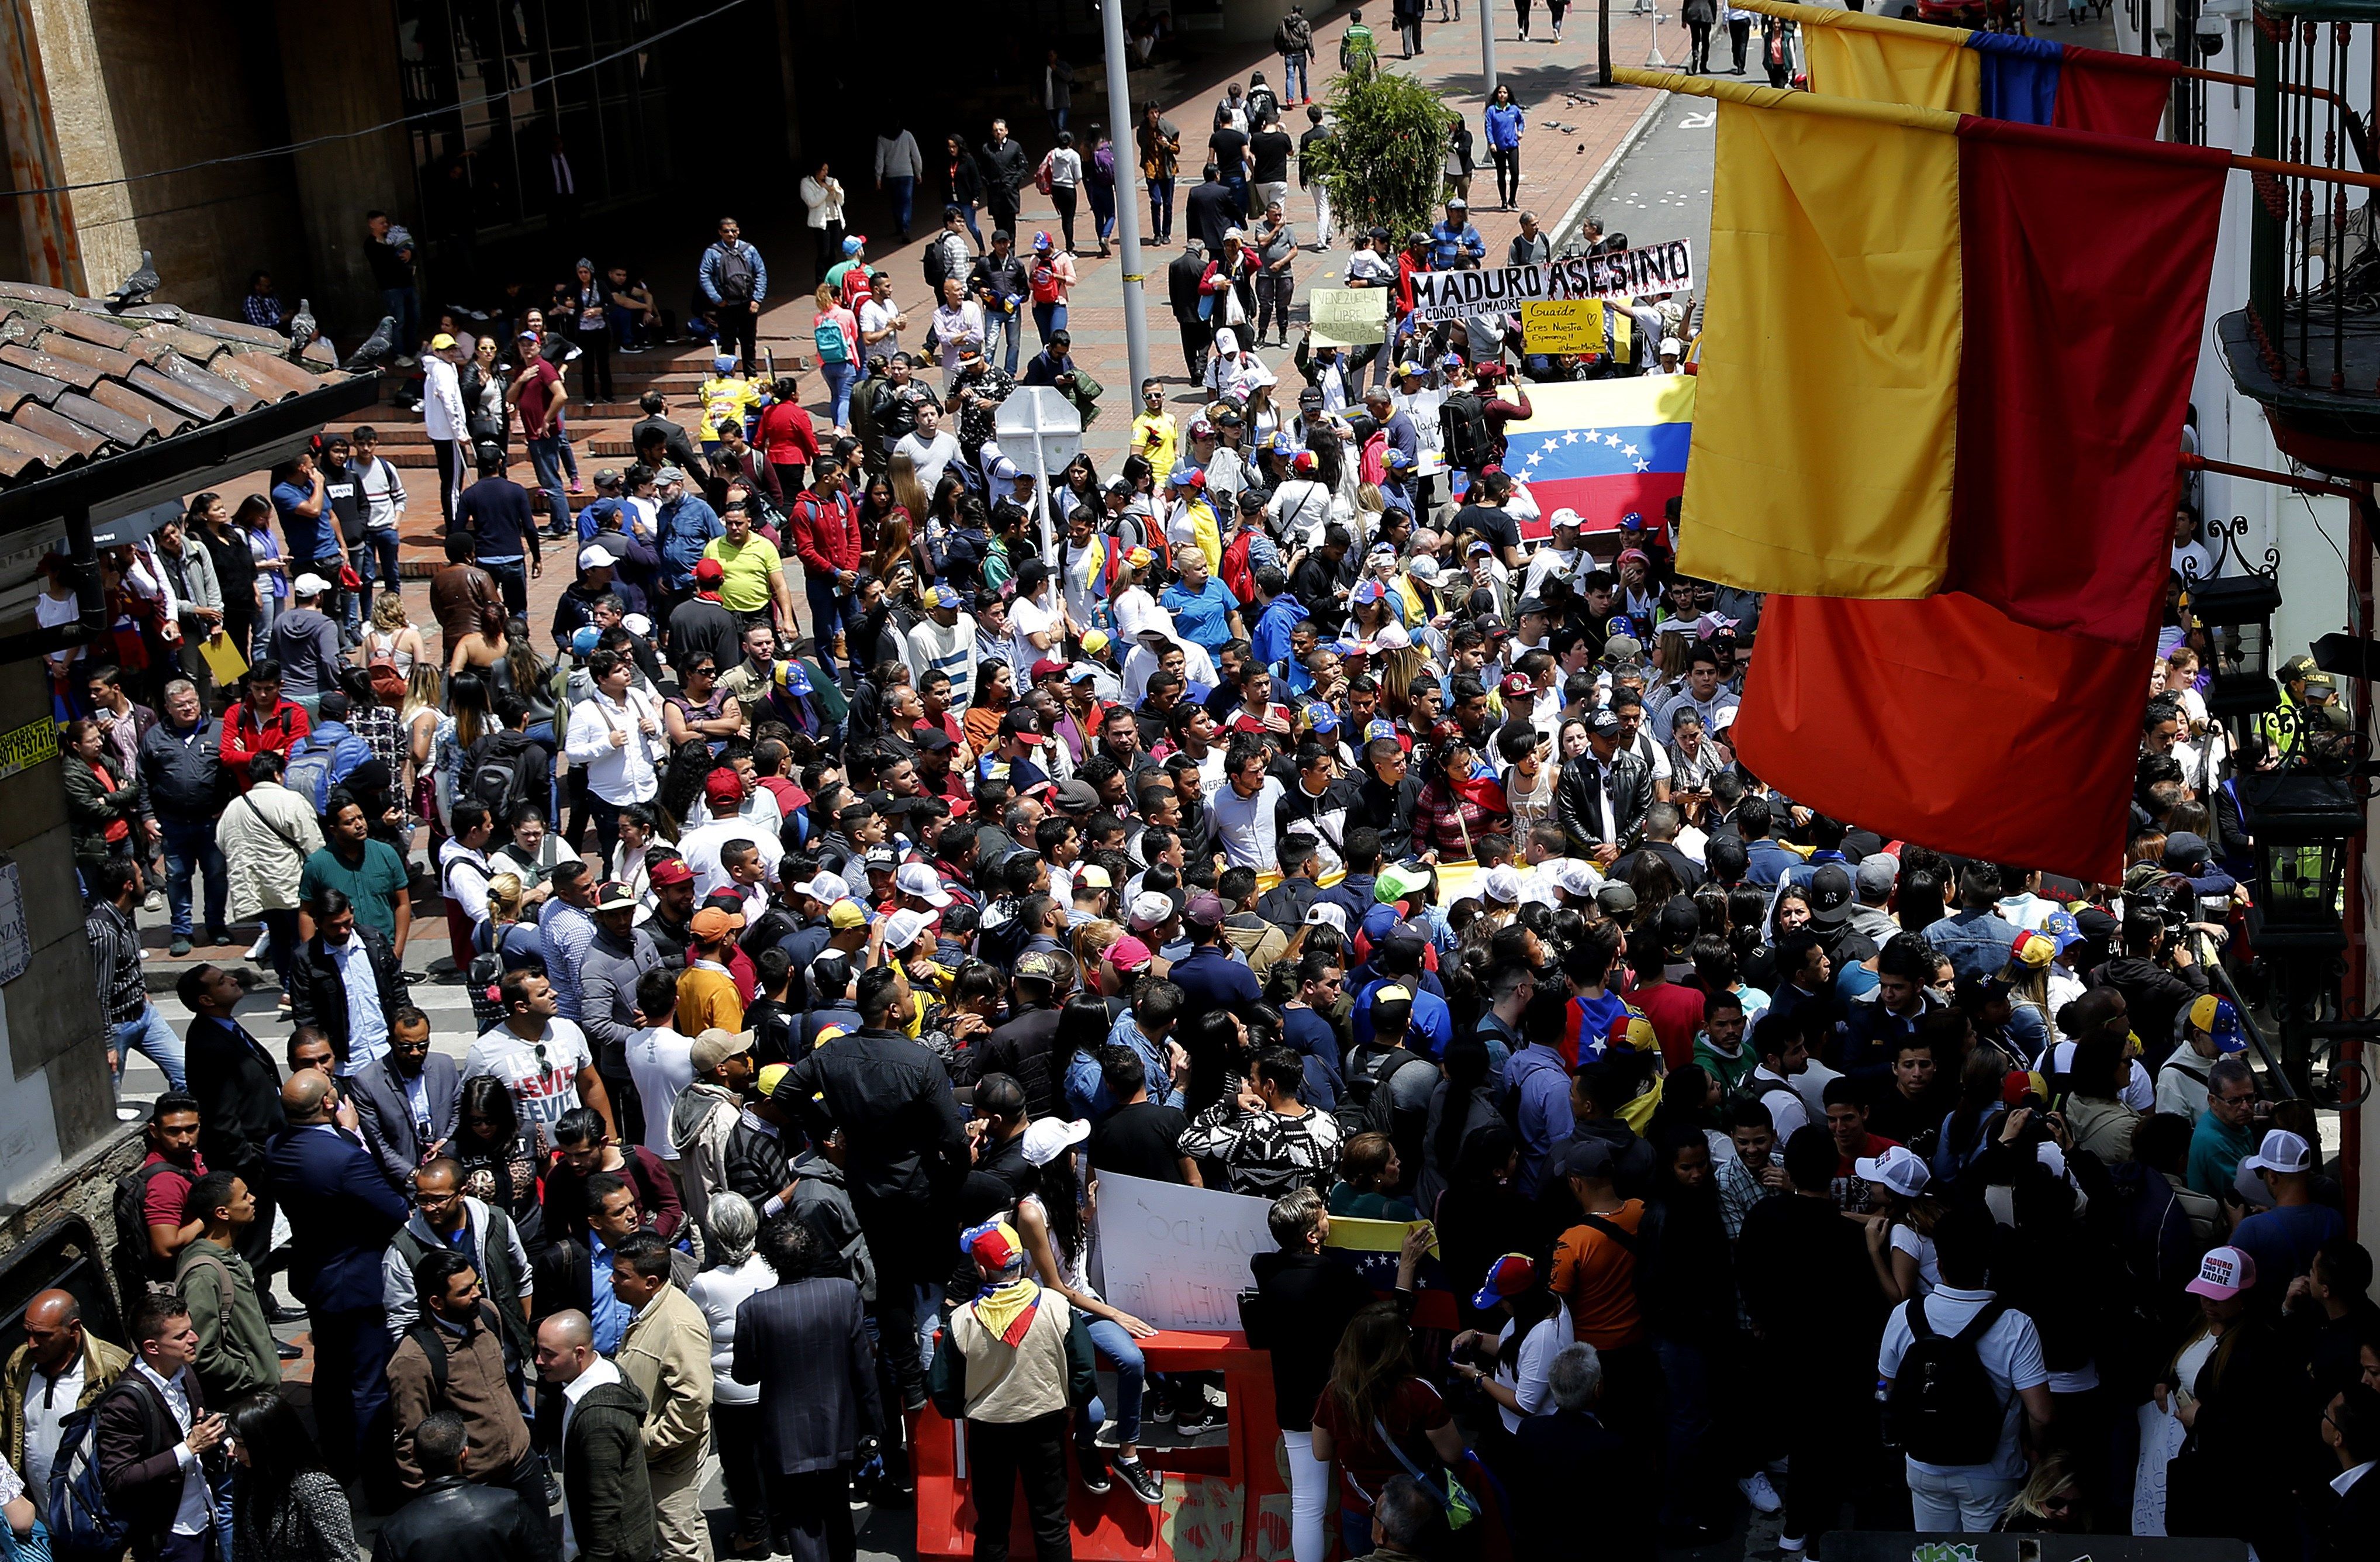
79	382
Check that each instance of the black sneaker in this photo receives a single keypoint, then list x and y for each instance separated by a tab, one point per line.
1197	1420
1161	1413
1094	1467
1139	1481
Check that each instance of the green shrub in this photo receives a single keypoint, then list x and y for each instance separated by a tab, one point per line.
1388	153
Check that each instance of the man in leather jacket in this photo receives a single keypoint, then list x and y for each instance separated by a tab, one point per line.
1601	800
453	1519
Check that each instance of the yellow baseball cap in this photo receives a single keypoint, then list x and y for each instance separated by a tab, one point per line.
441	342
773	1076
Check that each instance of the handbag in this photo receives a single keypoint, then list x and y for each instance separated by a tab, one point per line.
1460	1506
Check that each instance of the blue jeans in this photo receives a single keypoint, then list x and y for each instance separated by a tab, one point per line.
376	557
998	324
905	191
1102	199
545	454
405	305
826	617
1160	208
512	577
1115	1341
1238	185
189	848
1048	318
1686	1372
1294	83
840	378
148	1034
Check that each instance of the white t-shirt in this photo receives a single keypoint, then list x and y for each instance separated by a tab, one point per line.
2192	561
661	1062
1026	618
2011	1352
1906	1239
1243	827
702	849
874	316
928	458
1531	1379
543	1091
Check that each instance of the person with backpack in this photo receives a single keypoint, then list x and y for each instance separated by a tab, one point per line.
1599	1266
456	1357
1294	42
150	1229
326	755
1962	1375
266	835
238	1355
734	279
143	1471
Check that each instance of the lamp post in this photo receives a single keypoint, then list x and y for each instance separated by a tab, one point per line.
1120	133
2300	821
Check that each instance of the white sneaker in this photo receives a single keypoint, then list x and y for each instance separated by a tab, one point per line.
256	950
1793	1546
154	902
1760	1494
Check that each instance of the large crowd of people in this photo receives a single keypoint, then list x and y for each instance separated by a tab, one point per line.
1279	821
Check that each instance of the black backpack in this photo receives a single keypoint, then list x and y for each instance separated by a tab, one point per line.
734	279
1464	420
1944	1408
1369	1104
136	1269
498	779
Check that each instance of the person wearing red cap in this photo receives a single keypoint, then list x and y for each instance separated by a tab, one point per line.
700	625
1010	1365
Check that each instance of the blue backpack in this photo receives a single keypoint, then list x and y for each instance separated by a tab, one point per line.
315	767
82	1527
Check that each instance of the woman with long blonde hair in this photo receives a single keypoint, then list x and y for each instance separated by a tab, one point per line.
418	716
392	635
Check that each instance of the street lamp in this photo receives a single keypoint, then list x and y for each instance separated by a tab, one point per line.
2301	820
2242	601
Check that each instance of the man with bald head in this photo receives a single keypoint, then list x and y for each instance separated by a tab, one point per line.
60	1368
607	1495
342	1214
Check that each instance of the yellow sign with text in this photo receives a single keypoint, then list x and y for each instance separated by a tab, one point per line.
35	743
1562	326
1348	317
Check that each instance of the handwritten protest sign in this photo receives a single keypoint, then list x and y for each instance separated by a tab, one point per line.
1178	1257
1348	317
1562	326
1623	274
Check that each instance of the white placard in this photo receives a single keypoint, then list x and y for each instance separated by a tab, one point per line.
1618	276
1178	1257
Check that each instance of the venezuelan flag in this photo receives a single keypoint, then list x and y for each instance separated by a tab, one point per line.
1925	370
1998	75
1604	448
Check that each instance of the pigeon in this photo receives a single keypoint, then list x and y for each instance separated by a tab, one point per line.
135	288
302	329
375	346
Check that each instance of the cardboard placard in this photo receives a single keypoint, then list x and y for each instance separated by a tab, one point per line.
1348	317
1562	326
1619	277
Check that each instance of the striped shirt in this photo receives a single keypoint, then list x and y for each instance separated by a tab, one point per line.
115	956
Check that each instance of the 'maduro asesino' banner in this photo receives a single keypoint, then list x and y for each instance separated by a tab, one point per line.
1626	273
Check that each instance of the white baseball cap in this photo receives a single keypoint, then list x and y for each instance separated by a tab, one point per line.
2281	1151
828	887
1566	516
916	878
595	555
1328	915
310	584
1502	884
1150	909
903	928
1901	1170
1046	1139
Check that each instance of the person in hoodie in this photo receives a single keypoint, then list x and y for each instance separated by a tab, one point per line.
1300	857
706	1114
1277	614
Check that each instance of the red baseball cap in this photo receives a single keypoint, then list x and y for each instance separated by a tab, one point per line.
723	785
674	871
710	571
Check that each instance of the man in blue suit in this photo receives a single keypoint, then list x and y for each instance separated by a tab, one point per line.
342	1214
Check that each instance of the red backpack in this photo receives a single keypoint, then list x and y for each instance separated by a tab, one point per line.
1047	284
1236	573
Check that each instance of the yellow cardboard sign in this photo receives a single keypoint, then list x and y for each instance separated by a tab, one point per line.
1564	325
1348	317
22	748
222	659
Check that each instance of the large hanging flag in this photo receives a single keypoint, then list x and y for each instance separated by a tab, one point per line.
1944	722
1999	75
1924	368
1605	448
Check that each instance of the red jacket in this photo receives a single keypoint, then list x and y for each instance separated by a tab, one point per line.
243	738
826	533
786	437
